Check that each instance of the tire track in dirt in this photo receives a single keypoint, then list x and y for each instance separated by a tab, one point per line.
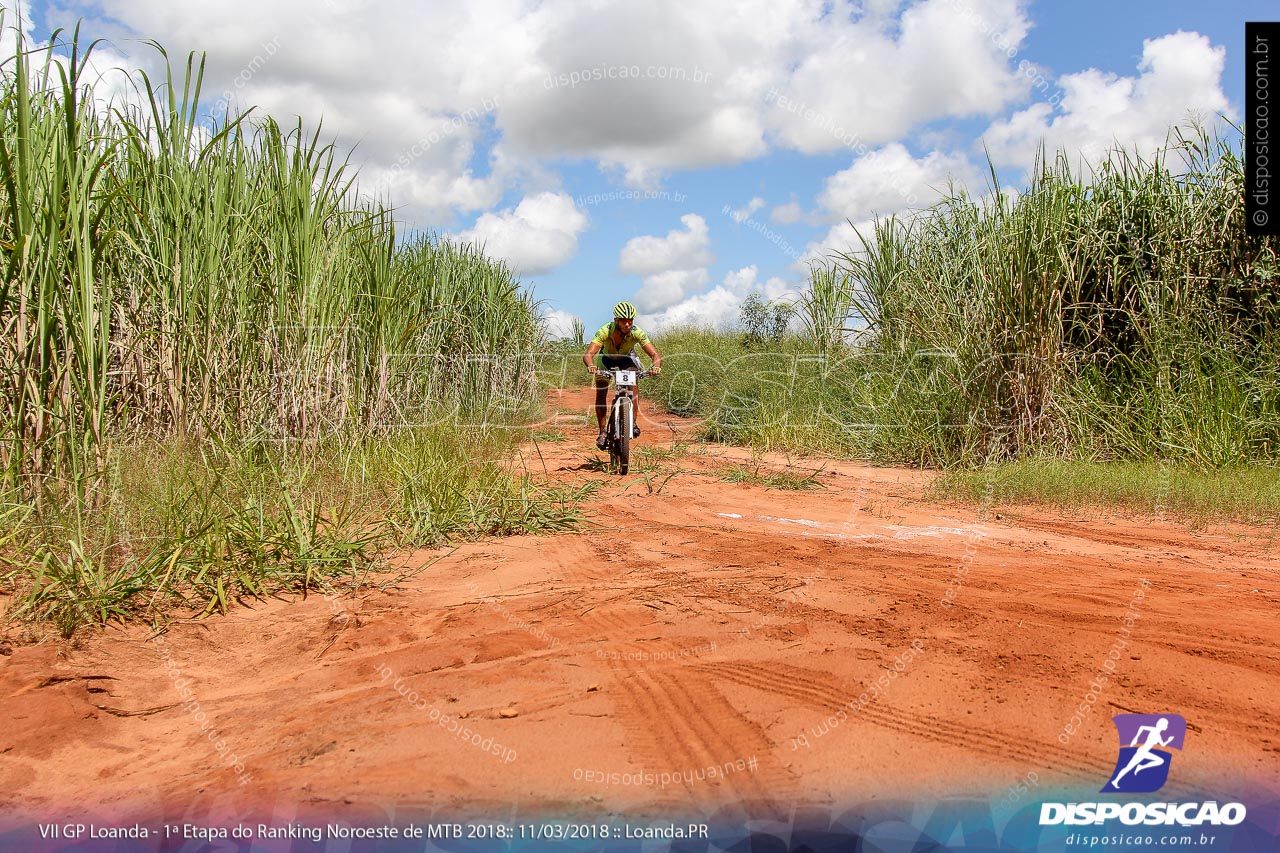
767	784
812	689
654	737
653	732
821	693
1250	655
1139	540
665	588
684	713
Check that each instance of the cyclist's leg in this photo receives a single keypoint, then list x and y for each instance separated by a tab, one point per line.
635	411
602	393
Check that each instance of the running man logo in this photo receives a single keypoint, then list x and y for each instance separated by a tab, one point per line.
1145	741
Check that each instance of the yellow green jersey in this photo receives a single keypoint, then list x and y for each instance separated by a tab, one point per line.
605	337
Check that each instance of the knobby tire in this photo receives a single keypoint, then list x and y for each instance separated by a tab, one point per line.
622	440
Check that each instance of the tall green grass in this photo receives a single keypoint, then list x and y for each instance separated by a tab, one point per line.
200	525
1121	314
1249	493
214	308
1117	315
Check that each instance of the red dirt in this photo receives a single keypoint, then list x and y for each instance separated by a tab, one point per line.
692	627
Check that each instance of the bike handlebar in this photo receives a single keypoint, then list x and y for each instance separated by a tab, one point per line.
640	374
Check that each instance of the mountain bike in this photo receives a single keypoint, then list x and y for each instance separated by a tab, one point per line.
622	416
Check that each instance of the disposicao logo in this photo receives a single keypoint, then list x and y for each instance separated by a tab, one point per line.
1145	740
1146	744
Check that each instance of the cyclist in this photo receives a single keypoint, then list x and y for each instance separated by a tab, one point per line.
618	341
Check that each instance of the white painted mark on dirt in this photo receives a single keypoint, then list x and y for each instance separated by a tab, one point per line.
901	532
806	522
896	531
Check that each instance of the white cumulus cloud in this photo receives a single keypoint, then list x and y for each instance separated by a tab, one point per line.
640	89
943	59
667	288
535	237
752	206
890	180
787	214
720	306
680	249
559	324
1179	76
671	265
841	238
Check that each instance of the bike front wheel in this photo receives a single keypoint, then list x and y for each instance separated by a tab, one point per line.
623	422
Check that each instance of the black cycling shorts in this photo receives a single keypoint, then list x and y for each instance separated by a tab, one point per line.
616	362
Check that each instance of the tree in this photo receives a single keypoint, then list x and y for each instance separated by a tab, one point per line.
763	321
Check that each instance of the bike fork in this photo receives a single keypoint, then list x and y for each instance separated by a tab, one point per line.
622	416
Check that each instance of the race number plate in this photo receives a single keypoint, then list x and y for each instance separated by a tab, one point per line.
624	377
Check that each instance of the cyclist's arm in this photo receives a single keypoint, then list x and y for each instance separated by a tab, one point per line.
589	357
652	351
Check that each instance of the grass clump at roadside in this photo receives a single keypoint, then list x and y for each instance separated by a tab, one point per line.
199	526
225	373
1249	494
759	476
554	436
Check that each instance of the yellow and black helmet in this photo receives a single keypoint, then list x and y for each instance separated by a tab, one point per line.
624	311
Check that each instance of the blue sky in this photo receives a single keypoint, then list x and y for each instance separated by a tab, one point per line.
686	155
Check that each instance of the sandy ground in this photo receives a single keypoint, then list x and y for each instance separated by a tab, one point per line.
764	649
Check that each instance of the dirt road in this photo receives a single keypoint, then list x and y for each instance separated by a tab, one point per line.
703	645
